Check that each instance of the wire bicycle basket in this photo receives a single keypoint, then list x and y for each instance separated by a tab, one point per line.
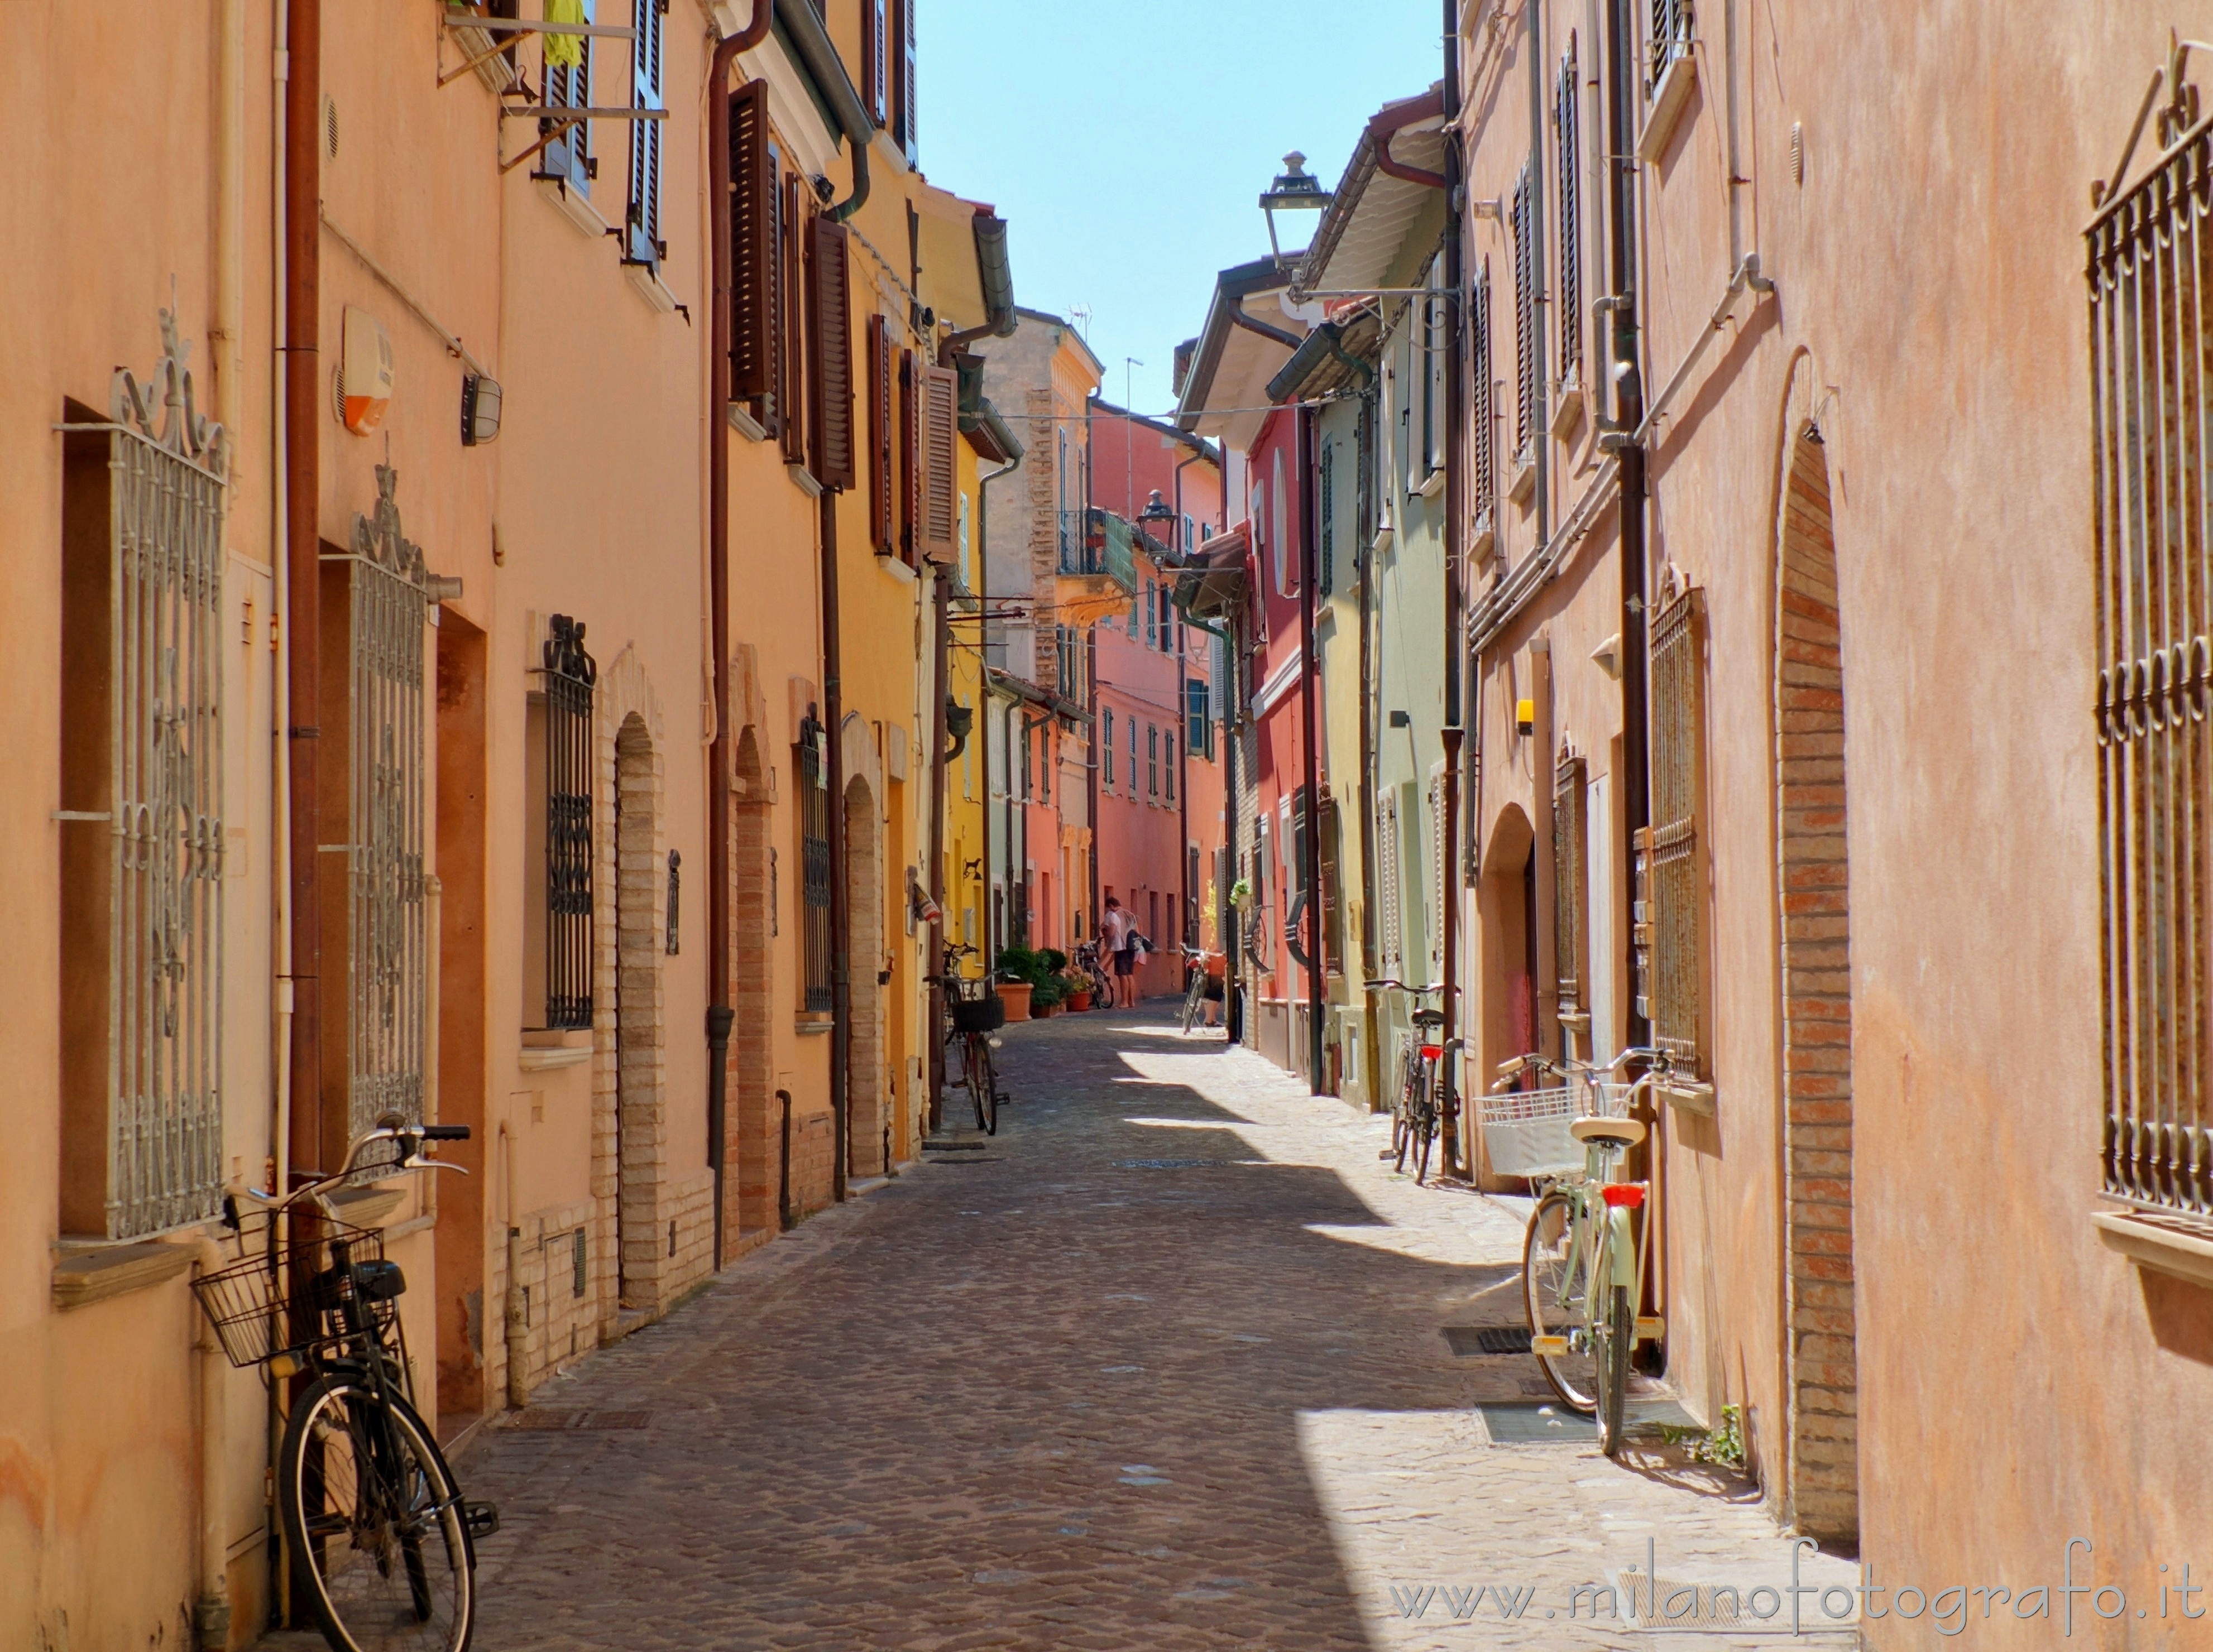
247	1304
1524	1132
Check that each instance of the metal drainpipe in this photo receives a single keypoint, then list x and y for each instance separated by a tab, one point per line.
1311	780
940	599
841	917
720	1015
1370	1067
1629	413
1450	877
982	731
303	90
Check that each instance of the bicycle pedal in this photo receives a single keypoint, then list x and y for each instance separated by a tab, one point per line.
1651	1328
481	1518
1549	1347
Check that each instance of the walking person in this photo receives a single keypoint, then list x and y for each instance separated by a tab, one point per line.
1119	931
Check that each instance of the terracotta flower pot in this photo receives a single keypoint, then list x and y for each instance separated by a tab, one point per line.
1042	1012
1015	995
1080	999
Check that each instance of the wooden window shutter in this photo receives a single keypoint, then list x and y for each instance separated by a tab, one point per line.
1570	880
829	370
1676	853
753	274
941	477
642	242
881	525
875	50
791	319
909	459
906	87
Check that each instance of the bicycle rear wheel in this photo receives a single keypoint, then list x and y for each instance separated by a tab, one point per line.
1616	1335
1552	1293
983	1085
1194	995
374	1521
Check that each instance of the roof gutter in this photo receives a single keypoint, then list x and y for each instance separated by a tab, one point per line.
998	281
1238	317
1386	124
820	57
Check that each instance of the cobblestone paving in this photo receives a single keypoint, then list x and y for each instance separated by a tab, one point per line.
1160	1367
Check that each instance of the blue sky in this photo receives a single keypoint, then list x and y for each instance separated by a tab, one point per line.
1127	144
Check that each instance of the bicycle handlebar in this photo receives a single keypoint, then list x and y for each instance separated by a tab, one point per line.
412	1159
1387	980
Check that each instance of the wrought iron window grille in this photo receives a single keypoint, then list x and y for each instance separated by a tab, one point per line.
2150	268
569	674
675	863
1671	37
163	782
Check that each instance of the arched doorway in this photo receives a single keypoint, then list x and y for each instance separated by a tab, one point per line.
1820	1351
866	1112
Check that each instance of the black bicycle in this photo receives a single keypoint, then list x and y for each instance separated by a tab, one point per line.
973	1013
378	1534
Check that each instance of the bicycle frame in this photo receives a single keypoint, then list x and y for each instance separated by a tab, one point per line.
1600	1232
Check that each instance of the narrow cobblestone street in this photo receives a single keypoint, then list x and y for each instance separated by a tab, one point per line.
1161	1366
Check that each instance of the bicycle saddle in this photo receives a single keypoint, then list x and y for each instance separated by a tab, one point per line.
1429	1018
1625	1133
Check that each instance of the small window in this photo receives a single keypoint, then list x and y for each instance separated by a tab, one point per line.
1195	717
1152	760
567	675
1278	535
1106	748
809	762
1133	757
1152	618
1671	35
1566	130
1570	878
141	745
1325	573
1483	397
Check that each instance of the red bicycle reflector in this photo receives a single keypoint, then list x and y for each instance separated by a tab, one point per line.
1625	1193
1433	1052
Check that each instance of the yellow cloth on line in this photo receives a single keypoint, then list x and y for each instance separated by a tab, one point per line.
564	50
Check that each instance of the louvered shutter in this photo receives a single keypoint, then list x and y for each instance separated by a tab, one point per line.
642	243
880	525
910	460
940	483
754	285
790	320
1675	868
907	81
876	47
830	376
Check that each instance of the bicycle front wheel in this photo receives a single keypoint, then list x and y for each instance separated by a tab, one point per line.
982	1086
1192	999
1552	1288
1617	1335
375	1523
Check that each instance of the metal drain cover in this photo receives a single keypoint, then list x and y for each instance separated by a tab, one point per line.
1169	1163
1468	1340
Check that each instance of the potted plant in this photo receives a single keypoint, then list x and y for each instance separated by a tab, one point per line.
1018	972
1077	990
1046	996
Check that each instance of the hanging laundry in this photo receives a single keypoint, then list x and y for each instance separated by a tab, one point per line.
565	51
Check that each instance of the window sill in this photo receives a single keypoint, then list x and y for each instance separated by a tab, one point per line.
1568	413
2168	1247
1432	484
1688	1097
809	1026
803	479
84	1277
742	421
1668	99
1525	477
1483	537
576	209
649	287
547	1049
893	566
367	1207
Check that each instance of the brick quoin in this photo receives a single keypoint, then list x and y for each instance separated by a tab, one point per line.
1813	891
